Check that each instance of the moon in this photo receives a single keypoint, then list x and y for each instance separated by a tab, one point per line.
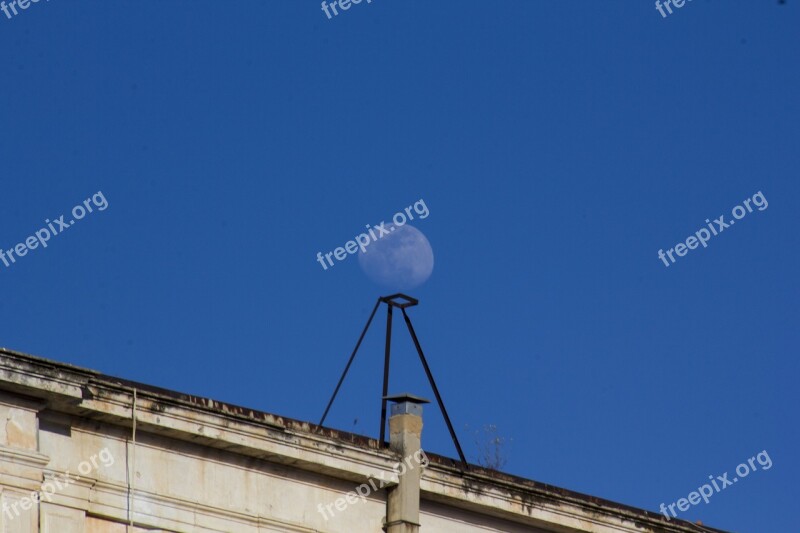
401	260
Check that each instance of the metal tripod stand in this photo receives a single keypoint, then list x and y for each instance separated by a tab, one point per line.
400	301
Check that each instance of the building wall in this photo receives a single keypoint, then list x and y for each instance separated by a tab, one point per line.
67	438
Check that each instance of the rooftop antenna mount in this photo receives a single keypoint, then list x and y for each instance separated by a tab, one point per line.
400	301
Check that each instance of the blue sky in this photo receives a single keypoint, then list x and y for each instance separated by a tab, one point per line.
558	146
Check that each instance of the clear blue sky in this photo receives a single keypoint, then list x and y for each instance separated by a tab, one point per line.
558	146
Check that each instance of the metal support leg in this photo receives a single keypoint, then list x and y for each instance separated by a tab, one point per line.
434	387
349	362
386	372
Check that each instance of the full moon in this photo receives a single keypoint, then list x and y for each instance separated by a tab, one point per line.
401	260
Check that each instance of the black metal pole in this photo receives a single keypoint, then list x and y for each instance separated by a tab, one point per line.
350	361
386	371
435	389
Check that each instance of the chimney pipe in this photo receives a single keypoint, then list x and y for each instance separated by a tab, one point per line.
405	434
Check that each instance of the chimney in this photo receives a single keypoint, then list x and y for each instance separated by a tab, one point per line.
405	433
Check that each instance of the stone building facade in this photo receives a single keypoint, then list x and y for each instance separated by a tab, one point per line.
81	452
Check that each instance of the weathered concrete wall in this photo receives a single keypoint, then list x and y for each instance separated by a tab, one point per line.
66	437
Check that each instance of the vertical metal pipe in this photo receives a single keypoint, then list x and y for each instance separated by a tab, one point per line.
386	371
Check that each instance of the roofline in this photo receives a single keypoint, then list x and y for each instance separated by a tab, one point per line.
226	409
